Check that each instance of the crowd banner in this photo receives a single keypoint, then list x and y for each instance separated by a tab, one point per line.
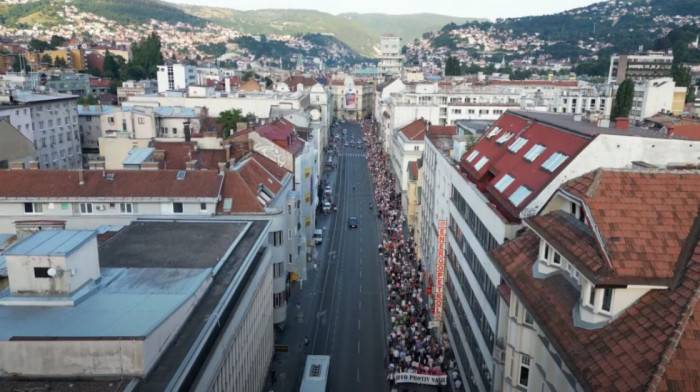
416	378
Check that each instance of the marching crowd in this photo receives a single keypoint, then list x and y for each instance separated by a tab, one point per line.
411	348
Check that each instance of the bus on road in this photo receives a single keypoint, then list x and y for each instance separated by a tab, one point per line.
315	373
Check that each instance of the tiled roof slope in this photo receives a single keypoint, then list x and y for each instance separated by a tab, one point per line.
643	218
59	184
627	354
241	185
503	161
272	168
414	131
177	154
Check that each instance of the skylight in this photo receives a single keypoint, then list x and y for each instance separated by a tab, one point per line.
534	152
181	175
504	182
553	162
481	163
517	144
472	155
519	195
493	132
504	138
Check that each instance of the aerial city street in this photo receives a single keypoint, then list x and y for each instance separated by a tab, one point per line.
393	196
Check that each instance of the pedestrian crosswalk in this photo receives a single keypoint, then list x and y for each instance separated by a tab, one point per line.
352	154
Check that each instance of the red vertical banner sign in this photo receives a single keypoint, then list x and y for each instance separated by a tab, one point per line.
440	274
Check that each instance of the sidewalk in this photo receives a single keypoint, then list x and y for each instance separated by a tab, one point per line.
301	316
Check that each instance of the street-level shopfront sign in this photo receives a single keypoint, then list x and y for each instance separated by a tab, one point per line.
438	298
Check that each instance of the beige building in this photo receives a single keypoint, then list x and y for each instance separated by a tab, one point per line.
352	99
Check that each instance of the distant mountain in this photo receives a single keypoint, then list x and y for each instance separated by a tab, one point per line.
408	27
359	37
137	11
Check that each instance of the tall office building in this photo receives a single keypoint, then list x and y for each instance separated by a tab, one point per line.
391	59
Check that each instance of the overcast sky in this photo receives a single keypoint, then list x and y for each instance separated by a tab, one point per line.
463	8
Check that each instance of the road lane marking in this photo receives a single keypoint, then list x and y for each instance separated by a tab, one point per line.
358	325
358	346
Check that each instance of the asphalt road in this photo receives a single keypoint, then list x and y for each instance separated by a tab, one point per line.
350	323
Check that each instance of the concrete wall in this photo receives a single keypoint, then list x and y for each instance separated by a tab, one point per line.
115	149
259	103
66	358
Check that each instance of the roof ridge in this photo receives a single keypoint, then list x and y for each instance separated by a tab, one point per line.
595	183
674	341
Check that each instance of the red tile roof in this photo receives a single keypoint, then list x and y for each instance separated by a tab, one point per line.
442	130
688	131
502	161
643	218
627	354
281	132
177	154
277	171
293	81
415	131
244	200
63	184
242	185
100	82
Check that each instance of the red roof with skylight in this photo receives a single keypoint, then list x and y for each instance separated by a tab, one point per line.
517	157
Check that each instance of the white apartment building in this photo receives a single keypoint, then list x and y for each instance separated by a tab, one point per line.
587	299
352	99
654	96
175	77
55	126
20	116
89	125
508	174
136	87
390	60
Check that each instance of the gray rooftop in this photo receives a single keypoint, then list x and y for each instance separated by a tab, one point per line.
125	303
162	244
50	243
138	155
567	122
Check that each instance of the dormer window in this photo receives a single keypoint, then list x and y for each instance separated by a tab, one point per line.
493	132
577	211
607	299
504	138
481	163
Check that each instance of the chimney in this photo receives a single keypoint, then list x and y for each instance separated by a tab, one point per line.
228	152
191	165
622	123
34	165
81	177
16	165
159	155
222	168
231	163
227	83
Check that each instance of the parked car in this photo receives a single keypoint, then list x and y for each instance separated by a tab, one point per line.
352	222
318	236
327	207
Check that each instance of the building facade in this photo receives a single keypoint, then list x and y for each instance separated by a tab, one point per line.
639	67
175	77
390	60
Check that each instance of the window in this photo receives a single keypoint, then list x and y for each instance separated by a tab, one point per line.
481	163
289	237
504	138
472	155
177	208
553	162
503	183
528	319
517	144
493	132
591	295
534	152
278	299
33	208
289	209
607	299
86	208
546	251
519	195
557	259
203	207
141	120
276	237
41	272
277	269
524	371
126	208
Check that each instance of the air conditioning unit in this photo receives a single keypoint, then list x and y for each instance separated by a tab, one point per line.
100	207
499	355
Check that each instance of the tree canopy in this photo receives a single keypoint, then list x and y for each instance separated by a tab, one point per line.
229	119
681	75
147	55
623	100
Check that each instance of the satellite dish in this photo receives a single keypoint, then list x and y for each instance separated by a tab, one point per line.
52	272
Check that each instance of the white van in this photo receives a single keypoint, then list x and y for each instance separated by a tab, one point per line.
318	236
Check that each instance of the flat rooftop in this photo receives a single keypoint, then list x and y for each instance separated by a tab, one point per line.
127	302
168	244
567	122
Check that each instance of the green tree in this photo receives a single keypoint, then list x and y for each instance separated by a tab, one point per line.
228	119
623	100
89	100
57	40
46	59
681	75
247	75
110	67
37	45
452	67
147	55
60	62
17	65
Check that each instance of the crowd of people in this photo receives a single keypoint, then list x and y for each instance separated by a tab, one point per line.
411	348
